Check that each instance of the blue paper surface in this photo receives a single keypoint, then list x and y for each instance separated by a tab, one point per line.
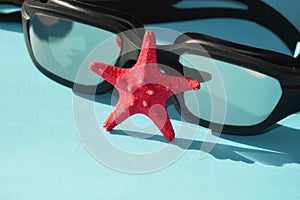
43	156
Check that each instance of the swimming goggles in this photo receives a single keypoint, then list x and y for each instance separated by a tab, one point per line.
260	86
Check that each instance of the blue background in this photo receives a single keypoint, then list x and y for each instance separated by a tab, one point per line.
42	156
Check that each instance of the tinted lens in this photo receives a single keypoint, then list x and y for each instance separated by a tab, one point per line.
61	47
250	97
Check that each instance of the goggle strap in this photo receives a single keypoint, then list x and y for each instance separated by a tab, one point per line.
11	17
297	51
257	11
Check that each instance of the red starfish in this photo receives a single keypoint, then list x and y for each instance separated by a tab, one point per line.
143	88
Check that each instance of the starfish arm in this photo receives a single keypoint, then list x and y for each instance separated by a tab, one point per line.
115	118
180	84
110	122
148	51
167	129
159	115
108	72
192	84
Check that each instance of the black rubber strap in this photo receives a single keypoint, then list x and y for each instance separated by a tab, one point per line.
158	11
11	17
273	20
14	2
14	16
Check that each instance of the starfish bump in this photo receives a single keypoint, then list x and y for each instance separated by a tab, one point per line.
143	88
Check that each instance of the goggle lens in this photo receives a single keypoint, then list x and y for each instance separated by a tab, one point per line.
61	47
250	97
